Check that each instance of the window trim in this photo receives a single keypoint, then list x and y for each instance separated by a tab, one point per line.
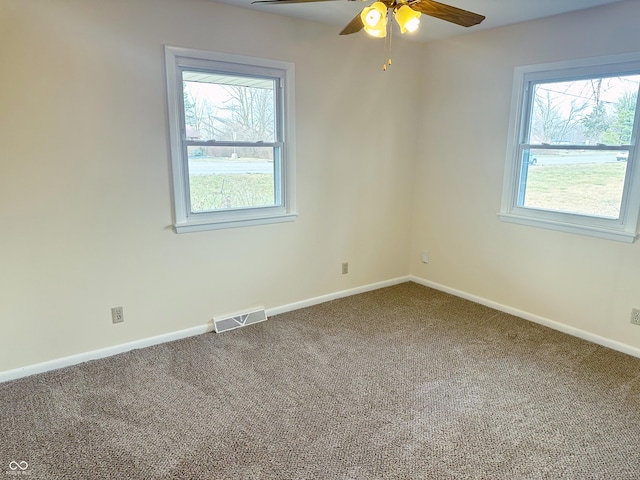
624	228
177	58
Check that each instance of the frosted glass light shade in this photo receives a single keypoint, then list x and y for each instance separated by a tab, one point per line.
374	19
407	18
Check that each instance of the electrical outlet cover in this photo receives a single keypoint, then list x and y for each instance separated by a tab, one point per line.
117	315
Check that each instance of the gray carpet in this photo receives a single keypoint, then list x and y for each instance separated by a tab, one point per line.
403	382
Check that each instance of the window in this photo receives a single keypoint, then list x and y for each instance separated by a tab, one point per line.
572	150
231	133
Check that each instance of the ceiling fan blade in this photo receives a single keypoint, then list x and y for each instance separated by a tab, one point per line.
354	26
447	12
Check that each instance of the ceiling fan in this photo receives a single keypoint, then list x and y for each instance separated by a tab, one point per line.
373	19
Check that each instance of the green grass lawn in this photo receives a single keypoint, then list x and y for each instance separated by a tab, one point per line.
215	192
590	189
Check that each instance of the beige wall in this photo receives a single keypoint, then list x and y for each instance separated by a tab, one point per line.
582	282
85	199
85	203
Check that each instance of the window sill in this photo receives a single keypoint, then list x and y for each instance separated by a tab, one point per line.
203	225
592	231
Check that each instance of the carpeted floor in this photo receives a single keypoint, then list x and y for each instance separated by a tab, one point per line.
401	383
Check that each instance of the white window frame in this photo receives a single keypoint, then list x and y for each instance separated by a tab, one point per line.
625	228
178	58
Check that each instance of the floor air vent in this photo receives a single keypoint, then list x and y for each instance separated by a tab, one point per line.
222	324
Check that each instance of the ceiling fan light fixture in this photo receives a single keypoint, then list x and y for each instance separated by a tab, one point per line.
408	19
374	19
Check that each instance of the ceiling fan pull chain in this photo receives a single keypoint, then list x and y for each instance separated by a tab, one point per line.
386	38
384	62
388	47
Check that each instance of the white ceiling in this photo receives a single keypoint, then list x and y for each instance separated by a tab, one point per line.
498	13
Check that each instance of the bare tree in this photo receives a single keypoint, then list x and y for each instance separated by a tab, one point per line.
596	122
201	114
554	121
252	113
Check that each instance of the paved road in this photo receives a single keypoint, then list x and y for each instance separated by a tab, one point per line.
572	159
201	167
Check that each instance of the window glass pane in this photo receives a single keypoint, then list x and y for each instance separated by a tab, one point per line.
584	182
222	178
229	108
584	112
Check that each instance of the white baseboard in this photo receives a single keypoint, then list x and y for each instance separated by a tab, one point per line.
561	327
169	337
334	296
101	353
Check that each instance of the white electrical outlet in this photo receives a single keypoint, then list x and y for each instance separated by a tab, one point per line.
117	315
345	268
635	316
425	257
